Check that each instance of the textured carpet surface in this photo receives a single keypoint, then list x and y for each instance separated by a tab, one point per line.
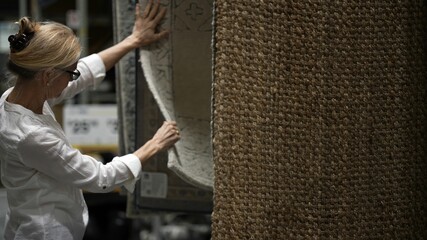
319	120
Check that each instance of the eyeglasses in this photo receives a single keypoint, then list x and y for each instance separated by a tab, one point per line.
74	74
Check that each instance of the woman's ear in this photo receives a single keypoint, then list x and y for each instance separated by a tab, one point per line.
46	76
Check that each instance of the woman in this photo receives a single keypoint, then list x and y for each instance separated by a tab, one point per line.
42	173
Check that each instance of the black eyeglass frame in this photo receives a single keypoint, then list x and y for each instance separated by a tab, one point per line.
74	74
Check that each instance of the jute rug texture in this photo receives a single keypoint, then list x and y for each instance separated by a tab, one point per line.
319	120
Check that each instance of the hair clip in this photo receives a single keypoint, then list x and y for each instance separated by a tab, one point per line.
19	41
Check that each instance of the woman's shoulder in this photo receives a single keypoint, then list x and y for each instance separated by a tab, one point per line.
19	124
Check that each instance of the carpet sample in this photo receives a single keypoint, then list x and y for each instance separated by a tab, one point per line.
319	120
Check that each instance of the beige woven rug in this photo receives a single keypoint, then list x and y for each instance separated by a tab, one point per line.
319	120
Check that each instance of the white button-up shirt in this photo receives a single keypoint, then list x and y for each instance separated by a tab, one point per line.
44	174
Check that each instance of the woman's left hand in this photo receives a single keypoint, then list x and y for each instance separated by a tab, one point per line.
144	29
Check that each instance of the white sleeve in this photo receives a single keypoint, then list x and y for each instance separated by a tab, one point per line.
92	72
46	151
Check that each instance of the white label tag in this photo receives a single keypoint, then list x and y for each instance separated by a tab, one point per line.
154	185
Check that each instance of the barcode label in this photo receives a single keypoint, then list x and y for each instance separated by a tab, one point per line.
154	185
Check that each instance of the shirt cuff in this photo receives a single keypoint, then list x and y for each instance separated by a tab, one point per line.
96	66
135	167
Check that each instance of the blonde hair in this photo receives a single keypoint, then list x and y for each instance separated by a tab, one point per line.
52	45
